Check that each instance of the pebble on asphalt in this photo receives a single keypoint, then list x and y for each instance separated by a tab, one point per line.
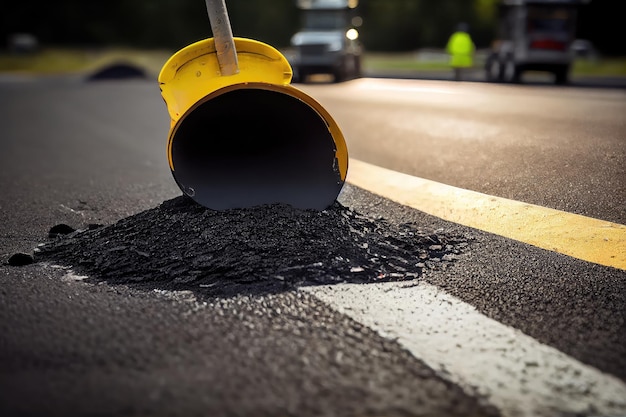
20	259
60	230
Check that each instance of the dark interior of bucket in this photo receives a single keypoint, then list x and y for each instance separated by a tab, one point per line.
252	146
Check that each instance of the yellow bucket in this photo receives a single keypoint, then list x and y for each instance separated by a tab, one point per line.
250	138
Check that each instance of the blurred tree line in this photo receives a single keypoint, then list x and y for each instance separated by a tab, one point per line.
389	25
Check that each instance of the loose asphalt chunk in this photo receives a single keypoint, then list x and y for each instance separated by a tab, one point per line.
181	245
20	259
60	229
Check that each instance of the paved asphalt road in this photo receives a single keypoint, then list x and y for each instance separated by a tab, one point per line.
81	153
556	147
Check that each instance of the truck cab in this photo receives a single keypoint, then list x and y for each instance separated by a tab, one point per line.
328	40
533	35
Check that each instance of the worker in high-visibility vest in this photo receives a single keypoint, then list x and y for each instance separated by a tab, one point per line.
461	49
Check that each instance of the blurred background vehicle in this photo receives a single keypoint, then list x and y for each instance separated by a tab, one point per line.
328	41
534	35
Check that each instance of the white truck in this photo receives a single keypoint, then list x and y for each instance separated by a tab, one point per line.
534	35
328	41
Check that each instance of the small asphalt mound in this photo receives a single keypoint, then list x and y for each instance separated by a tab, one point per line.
20	259
118	71
181	245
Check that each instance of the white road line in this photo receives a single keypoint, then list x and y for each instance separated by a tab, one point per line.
516	373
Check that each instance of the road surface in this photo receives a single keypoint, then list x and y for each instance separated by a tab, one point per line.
501	328
556	147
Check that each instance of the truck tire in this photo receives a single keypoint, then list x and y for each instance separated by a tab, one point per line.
357	67
295	76
494	69
511	71
302	75
341	73
561	75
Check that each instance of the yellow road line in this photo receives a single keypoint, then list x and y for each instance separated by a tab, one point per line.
581	237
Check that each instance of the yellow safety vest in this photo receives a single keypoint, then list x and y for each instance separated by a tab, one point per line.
461	50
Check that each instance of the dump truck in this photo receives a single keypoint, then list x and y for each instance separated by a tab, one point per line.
328	41
533	35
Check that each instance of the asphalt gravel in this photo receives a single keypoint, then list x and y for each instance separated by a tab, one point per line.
182	245
76	348
188	311
236	295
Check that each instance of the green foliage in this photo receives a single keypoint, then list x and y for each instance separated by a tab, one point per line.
404	25
389	25
271	22
485	10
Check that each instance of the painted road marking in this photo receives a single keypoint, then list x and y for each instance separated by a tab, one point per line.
516	373
581	237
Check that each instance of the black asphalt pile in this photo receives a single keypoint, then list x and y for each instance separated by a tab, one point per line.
182	245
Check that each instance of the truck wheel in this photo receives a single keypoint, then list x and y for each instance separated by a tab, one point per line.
302	76
493	69
357	67
561	75
295	77
511	72
341	73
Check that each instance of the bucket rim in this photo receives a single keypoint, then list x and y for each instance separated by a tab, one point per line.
341	150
